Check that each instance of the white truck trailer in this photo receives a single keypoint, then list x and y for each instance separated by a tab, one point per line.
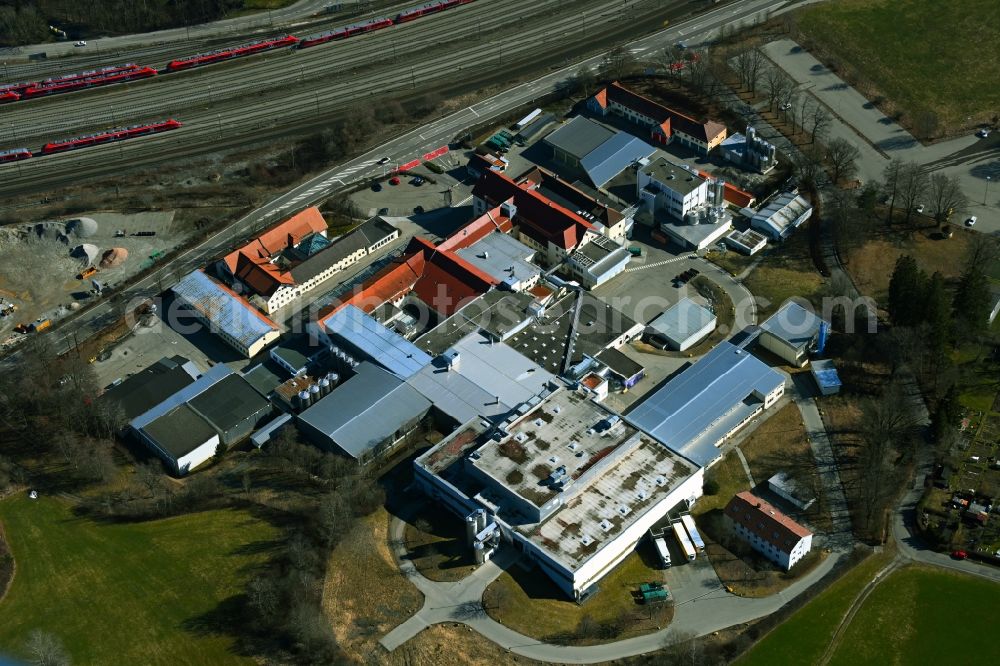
696	540
682	538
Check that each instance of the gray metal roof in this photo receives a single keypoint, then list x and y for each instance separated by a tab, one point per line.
496	252
264	377
229	402
682	320
380	344
488	379
786	211
825	373
180	431
793	324
614	155
215	374
223	309
707	399
579	137
365	410
148	388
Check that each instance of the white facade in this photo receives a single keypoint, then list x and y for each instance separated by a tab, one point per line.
786	559
677	196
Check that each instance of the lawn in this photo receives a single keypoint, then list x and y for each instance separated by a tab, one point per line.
911	616
139	593
365	595
778	444
803	637
730	476
438	548
530	603
922	55
786	271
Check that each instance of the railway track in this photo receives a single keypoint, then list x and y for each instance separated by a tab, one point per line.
265	97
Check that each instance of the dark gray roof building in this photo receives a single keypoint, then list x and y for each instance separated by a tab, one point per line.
148	388
232	406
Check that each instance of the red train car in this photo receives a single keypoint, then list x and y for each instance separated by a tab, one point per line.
232	52
345	32
9	96
119	76
108	136
93	73
16	87
414	13
14	155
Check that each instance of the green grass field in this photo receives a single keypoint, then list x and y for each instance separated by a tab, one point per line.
804	637
924	616
923	55
145	593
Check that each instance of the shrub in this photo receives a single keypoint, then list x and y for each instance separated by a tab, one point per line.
711	487
436	168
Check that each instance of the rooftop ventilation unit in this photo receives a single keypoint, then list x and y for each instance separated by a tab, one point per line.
660	481
586	540
605	525
623	510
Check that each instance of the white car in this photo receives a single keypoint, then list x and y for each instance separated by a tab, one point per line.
786	105
920	208
80	43
971	221
983	133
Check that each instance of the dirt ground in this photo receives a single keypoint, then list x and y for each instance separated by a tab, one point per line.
39	271
445	645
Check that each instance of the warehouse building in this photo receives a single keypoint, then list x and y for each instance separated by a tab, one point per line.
366	339
505	259
790	333
148	388
568	482
825	375
185	429
782	216
769	531
366	416
227	315
597	262
594	151
694	413
681	326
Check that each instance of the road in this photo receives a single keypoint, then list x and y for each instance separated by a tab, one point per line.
320	187
285	92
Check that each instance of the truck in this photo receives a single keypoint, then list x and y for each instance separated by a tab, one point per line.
635	251
660	543
527	120
689	526
653	593
685	543
41	325
86	273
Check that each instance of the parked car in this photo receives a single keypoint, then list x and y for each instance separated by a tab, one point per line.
394	180
971	221
417	180
376	186
418	210
959	554
80	43
983	133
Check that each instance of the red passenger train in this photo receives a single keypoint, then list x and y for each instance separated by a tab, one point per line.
345	32
116	76
108	136
14	155
232	52
9	96
414	13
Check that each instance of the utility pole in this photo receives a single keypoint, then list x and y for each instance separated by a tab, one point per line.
986	192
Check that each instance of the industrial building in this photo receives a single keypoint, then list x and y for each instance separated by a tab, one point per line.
505	259
683	203
594	151
747	242
297	354
597	262
583	200
694	413
186	428
825	375
569	483
681	326
366	416
293	257
790	333
148	388
768	530
363	338
664	124
227	315
783	215
785	487
750	151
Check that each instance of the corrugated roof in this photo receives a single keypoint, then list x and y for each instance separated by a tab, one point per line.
229	402
497	252
365	410
215	374
793	324
380	344
699	400
682	320
613	156
784	211
765	521
579	136
180	431
226	310
148	388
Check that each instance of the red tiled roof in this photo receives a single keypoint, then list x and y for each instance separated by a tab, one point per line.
542	177
538	217
251	263
393	281
764	521
476	230
448	281
667	118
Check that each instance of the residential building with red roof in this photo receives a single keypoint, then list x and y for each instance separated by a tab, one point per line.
541	224
293	257
664	124
768	530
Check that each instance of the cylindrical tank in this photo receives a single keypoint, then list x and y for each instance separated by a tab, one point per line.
324	386
314	393
470	528
334	378
304	399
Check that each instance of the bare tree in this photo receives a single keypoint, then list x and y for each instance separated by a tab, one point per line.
778	86
670	59
947	197
749	66
806	164
912	186
842	156
620	62
819	120
45	649
804	111
893	175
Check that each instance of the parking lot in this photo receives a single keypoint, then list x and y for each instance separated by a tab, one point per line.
406	197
